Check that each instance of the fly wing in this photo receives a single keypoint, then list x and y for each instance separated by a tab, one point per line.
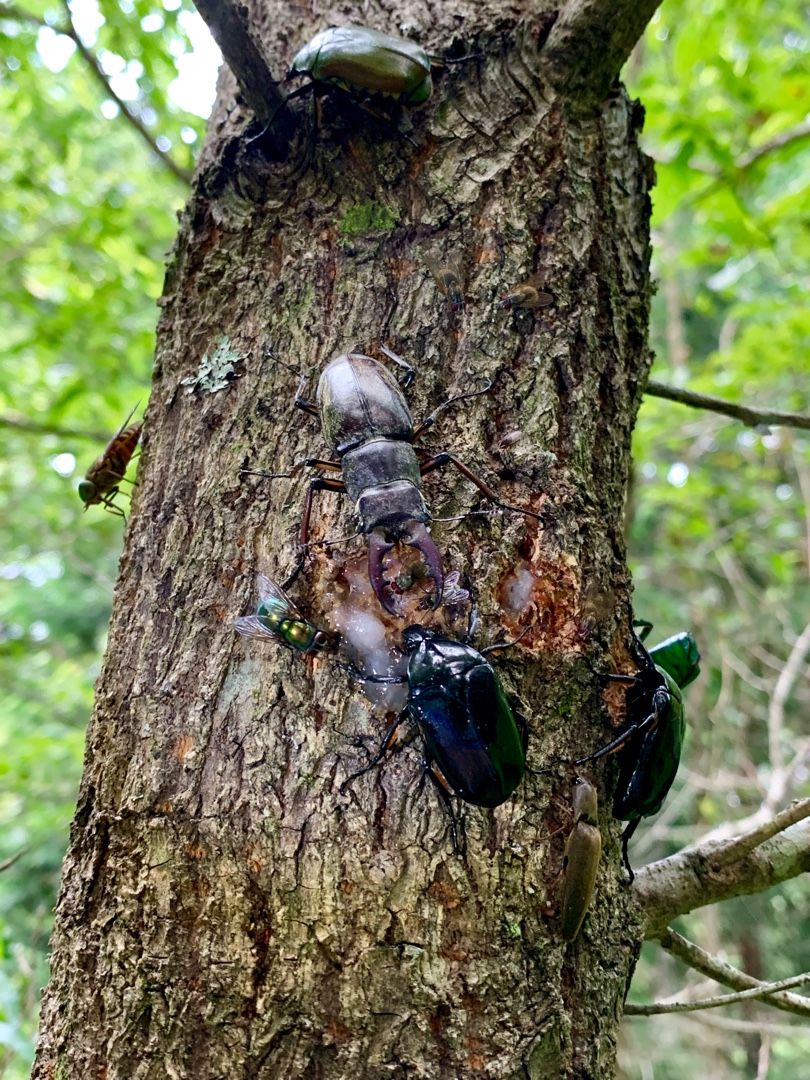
253	626
269	591
124	425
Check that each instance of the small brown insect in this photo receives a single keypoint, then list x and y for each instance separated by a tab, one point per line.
527	296
100	484
583	850
448	280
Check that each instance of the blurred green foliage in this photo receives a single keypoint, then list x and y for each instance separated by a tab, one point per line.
719	514
87	213
718	527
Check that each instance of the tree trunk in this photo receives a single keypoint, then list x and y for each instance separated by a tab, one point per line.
227	912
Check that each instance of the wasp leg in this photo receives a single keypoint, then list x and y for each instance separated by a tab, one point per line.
318	484
111	507
445	793
388	741
445	458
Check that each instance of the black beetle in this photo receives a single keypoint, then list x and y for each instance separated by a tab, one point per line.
367	424
474	742
650	743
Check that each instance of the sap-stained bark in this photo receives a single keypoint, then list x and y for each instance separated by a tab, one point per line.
225	911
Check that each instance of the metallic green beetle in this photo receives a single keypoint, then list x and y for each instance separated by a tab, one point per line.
359	58
679	656
583	850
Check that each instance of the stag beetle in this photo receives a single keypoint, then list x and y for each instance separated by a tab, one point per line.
367	423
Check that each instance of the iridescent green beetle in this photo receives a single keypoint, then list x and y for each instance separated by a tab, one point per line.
277	619
359	58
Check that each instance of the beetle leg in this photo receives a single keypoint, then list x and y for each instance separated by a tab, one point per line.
445	793
308	407
644	627
429	421
410	371
628	832
505	644
445	458
621	739
386	744
318	484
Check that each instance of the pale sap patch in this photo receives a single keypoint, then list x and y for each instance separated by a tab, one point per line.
217	370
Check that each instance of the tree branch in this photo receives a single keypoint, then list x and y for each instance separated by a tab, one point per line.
38	427
10	11
590	41
743	413
697	876
230	26
752	155
726	974
764	990
740	846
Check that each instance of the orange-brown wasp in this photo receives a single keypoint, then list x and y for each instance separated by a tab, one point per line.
100	484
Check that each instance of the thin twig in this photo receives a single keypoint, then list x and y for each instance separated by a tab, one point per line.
752	155
230	26
12	859
726	974
776	716
688	880
742	845
762	991
40	427
782	139
744	413
11	11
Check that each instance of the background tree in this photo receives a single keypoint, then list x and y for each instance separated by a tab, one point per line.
769	96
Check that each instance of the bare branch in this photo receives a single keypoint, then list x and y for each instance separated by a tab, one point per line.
776	716
782	139
40	427
761	991
11	11
741	845
749	158
691	878
590	41
230	26
743	413
726	974
6	863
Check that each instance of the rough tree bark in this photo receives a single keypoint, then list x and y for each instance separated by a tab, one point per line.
225	911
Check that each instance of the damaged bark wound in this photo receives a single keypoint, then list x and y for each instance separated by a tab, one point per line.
225	911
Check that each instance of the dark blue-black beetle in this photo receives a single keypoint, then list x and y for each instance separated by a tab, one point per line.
475	744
